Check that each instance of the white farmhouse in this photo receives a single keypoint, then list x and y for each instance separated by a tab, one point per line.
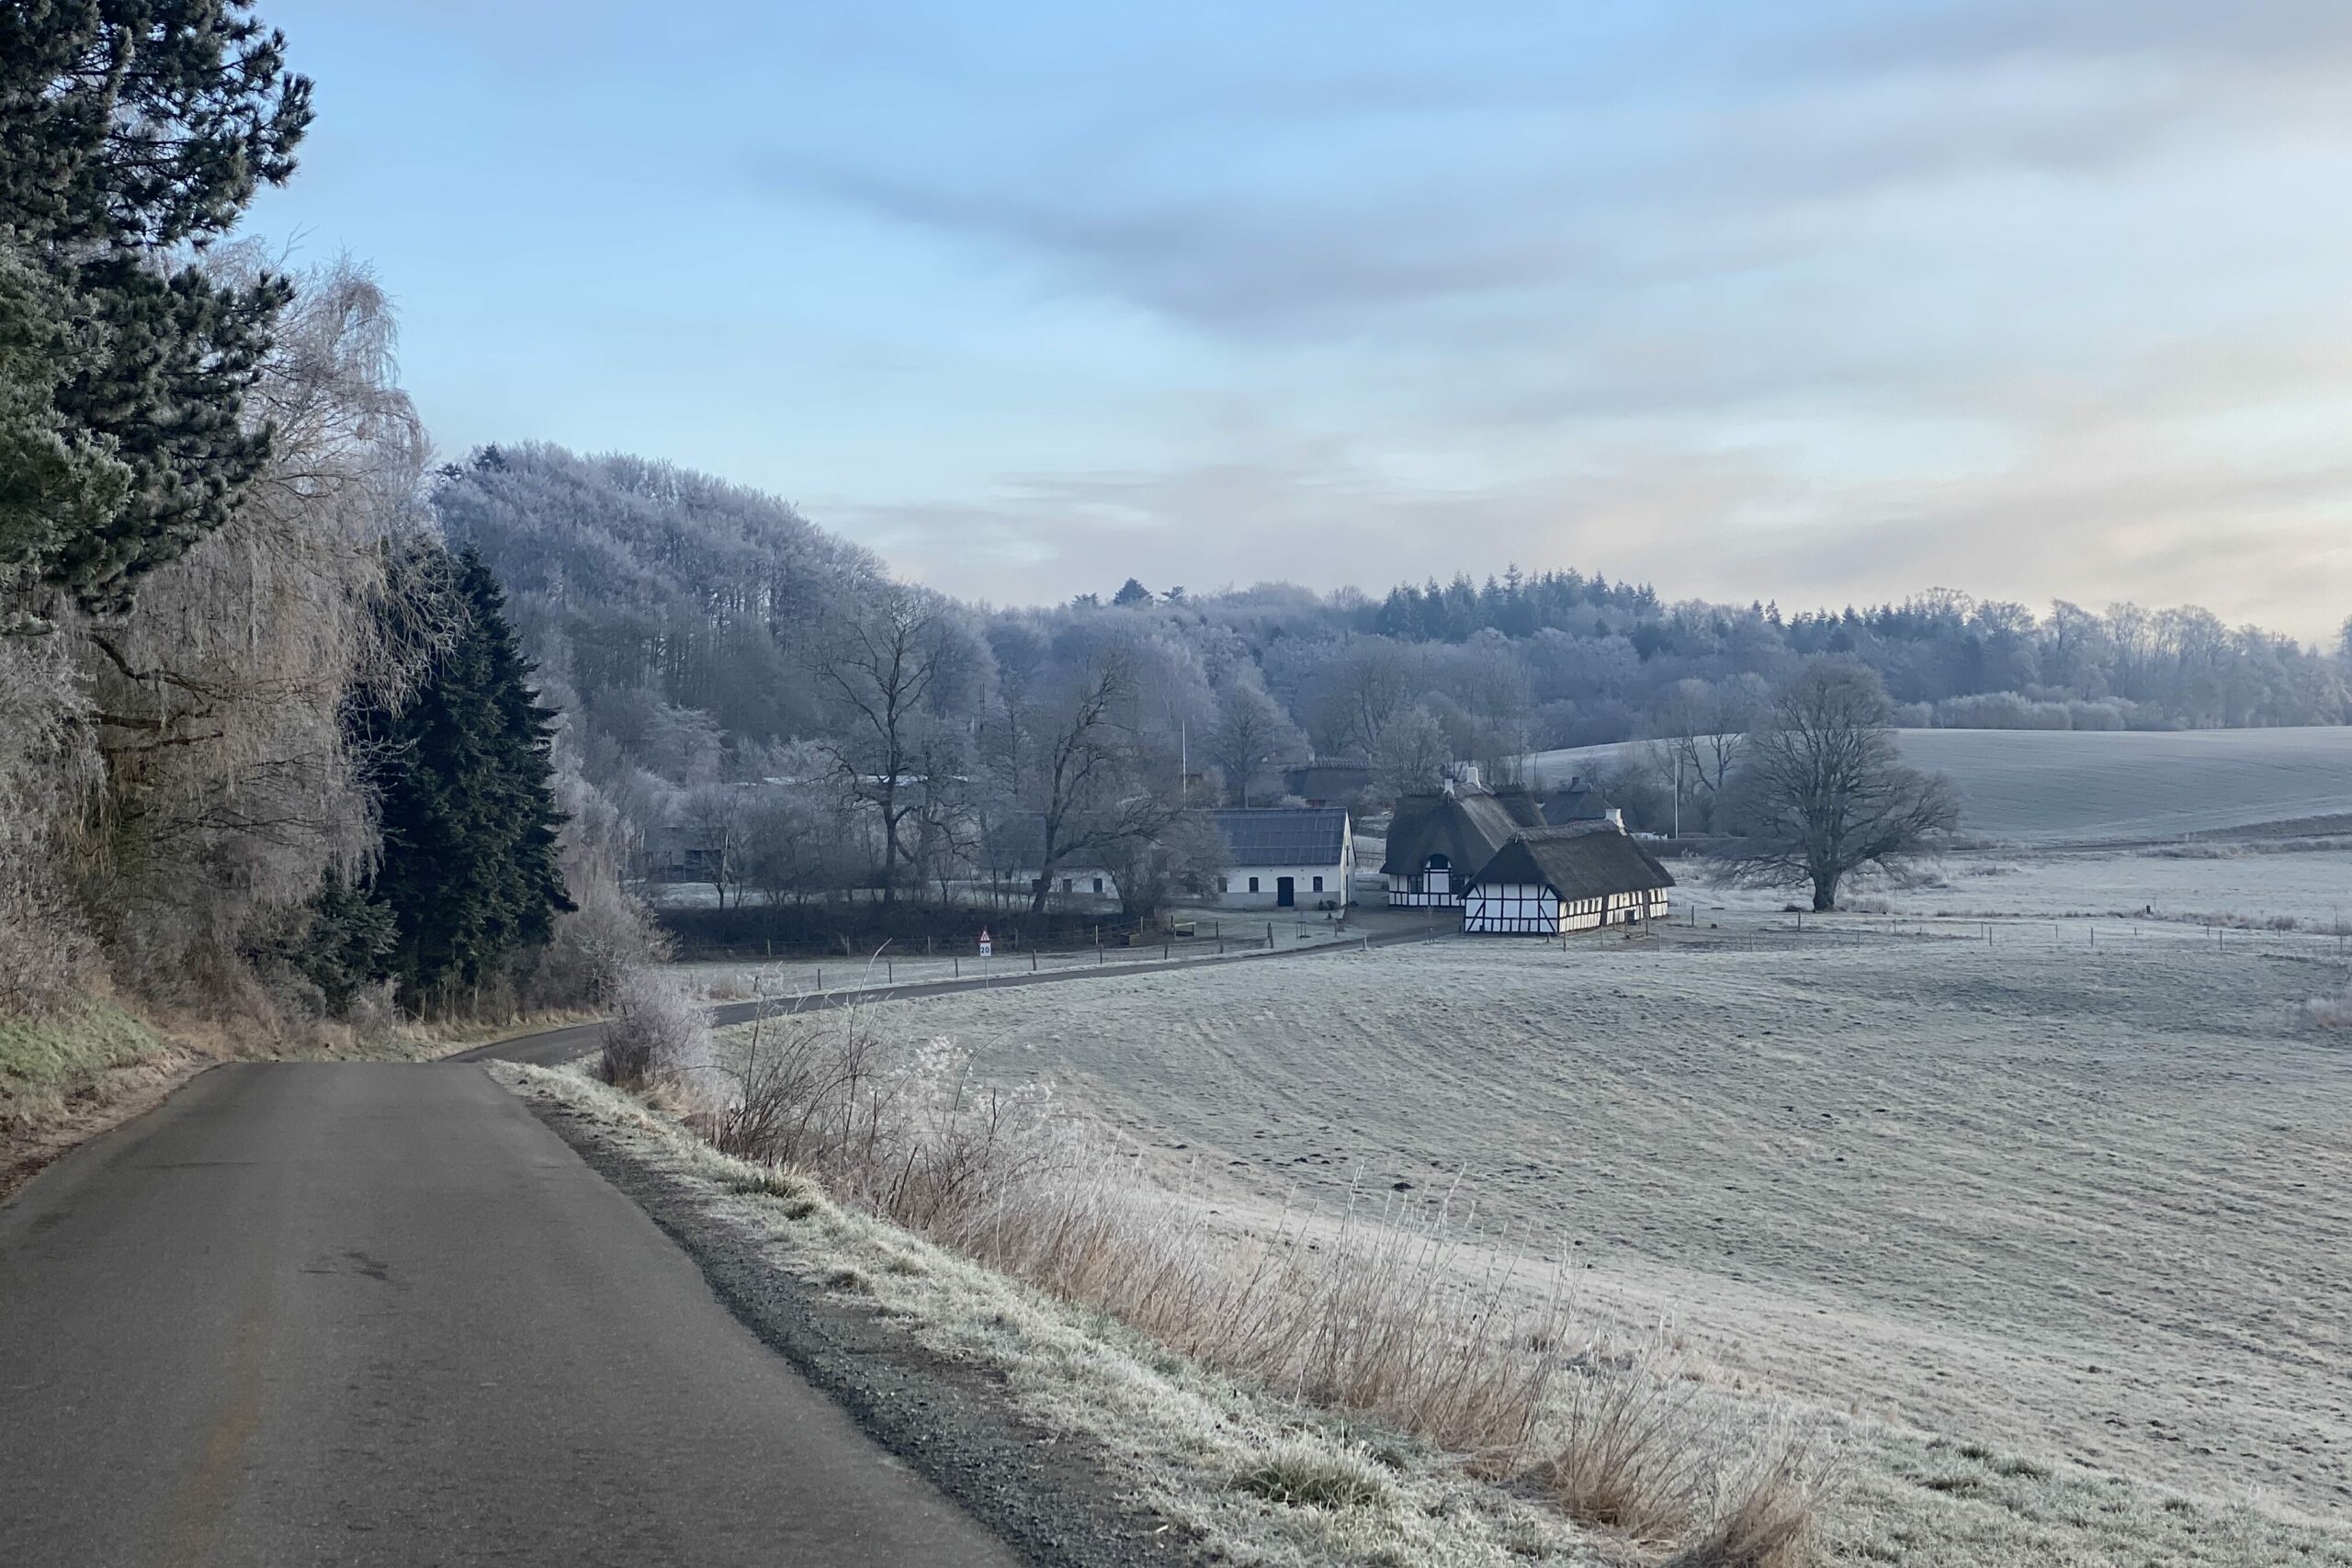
1286	857
1548	881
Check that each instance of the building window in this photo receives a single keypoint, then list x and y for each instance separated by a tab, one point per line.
1225	885
1065	883
1319	884
1253	884
1097	884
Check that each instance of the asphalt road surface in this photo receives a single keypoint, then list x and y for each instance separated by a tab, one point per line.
376	1313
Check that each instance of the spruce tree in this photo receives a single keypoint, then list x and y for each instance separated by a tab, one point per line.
132	131
461	774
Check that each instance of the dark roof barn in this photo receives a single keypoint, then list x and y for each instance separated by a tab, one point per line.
1284	835
1578	802
1328	779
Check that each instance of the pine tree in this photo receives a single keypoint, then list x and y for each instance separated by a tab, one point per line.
339	941
461	774
132	131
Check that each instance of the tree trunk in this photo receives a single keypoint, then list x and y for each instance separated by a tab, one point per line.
1037	895
1824	891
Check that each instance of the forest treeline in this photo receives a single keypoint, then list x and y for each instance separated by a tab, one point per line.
267	750
710	639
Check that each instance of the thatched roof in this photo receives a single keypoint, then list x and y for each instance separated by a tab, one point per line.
1575	862
1466	826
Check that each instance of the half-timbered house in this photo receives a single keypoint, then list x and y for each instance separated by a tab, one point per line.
1436	841
1548	881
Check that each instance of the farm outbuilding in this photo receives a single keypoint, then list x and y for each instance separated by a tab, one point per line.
1437	840
1579	802
1284	857
1547	881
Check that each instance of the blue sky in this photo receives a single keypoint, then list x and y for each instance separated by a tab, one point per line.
1808	301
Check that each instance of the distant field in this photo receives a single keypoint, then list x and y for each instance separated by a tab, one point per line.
2068	787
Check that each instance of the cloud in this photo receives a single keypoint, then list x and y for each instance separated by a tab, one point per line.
2100	499
1811	302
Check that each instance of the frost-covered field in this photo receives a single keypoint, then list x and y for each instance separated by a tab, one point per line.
2091	1207
2068	787
2232	884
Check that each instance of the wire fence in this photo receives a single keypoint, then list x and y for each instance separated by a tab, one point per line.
822	972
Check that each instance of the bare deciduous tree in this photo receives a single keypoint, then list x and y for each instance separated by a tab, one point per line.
1366	686
1087	782
1185	859
881	660
1415	754
1252	735
230	785
716	819
1821	791
1699	731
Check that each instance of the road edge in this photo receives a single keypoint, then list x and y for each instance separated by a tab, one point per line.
1047	1495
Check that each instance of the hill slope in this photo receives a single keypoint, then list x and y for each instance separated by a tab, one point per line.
2066	787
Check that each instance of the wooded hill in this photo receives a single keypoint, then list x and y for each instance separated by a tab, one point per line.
698	633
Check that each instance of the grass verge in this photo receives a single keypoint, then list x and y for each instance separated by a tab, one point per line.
1221	1470
75	1070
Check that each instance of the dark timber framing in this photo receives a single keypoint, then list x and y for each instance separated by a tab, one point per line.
1551	881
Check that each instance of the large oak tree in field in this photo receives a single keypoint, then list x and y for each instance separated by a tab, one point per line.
1821	790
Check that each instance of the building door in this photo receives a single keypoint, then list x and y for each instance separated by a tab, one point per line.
1286	892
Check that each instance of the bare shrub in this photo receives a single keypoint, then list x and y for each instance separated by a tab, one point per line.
903	1135
1768	1525
2330	1012
658	1036
1628	1454
606	936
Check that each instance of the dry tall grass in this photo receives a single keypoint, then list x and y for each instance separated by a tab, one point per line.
1396	1311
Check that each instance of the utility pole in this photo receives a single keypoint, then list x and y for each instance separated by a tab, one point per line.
1678	792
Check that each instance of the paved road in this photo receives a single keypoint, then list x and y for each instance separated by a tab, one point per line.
364	1313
